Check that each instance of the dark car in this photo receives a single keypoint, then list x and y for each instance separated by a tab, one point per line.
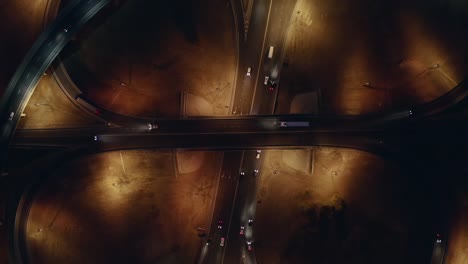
273	85
220	224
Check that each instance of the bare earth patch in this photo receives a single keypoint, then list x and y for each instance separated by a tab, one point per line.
457	251
148	55
49	107
122	207
341	206
364	58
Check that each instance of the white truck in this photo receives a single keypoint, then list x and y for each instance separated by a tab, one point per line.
270	52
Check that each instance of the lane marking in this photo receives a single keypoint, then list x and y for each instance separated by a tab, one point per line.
123	166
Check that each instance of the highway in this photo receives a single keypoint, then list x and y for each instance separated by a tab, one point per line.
236	196
438	252
37	60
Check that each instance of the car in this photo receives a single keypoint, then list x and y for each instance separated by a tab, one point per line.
410	112
283	124
221	243
242	228
249	245
250	222
438	238
242	173
266	80
151	126
249	69
257	156
67	28
208	242
12	114
255	172
273	85
95	138
220	224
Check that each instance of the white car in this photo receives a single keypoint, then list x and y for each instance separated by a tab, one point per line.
249	69
265	82
222	242
257	156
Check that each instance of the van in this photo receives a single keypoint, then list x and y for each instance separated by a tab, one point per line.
270	52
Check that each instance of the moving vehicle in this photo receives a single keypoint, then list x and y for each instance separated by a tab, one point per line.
438	238
270	52
12	114
257	156
265	82
220	224
242	228
273	85
250	222
294	124
152	126
249	69
255	172
249	245
222	242
95	138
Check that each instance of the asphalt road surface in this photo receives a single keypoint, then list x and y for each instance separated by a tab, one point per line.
37	60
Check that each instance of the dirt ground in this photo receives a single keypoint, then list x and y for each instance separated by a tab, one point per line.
457	251
49	107
329	205
334	49
141	65
123	207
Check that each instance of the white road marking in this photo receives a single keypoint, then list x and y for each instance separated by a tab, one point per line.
123	166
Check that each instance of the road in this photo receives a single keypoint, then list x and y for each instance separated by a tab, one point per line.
37	60
236	201
438	251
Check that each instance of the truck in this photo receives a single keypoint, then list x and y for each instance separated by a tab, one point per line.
270	52
294	124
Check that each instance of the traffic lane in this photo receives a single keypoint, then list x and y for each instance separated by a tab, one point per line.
438	251
281	13
249	57
223	204
244	124
234	141
236	240
243	210
37	60
215	233
249	209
